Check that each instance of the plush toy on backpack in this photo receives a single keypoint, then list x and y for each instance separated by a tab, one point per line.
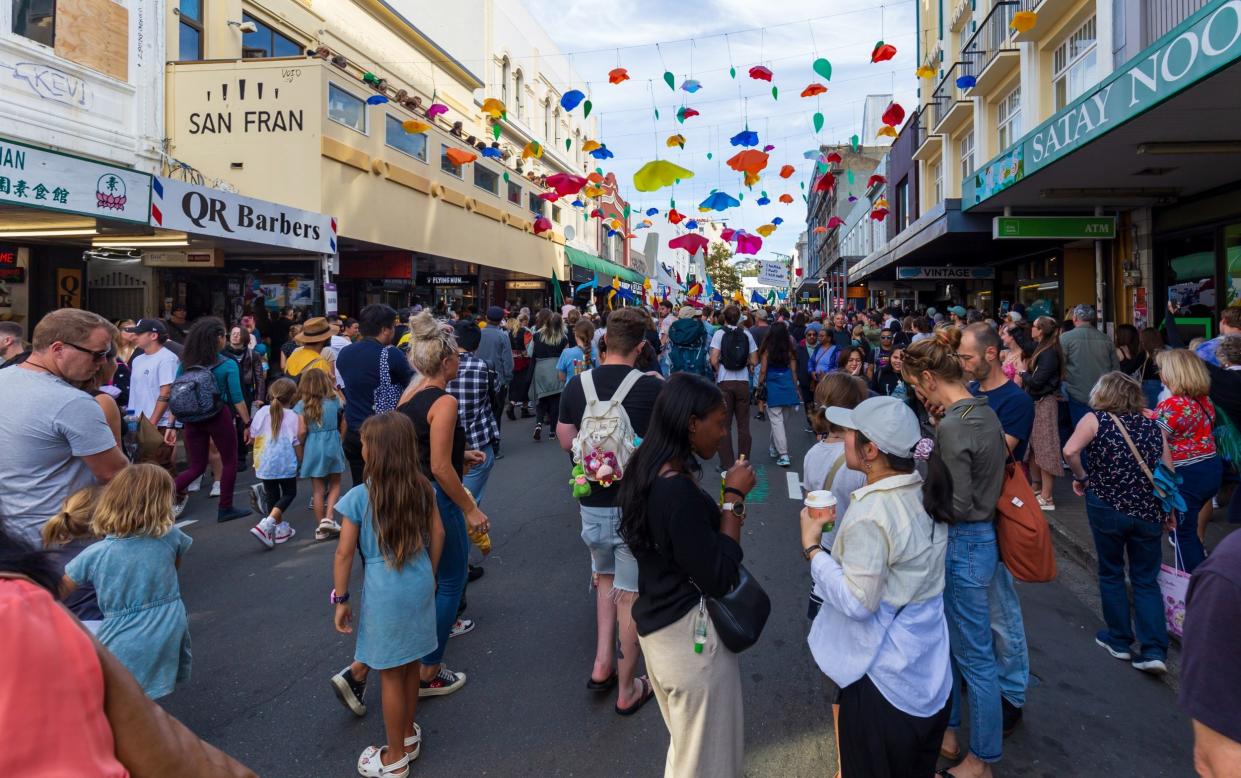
605	440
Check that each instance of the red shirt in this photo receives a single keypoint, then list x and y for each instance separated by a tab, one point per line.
1189	423
51	713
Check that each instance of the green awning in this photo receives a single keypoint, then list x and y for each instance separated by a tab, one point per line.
599	265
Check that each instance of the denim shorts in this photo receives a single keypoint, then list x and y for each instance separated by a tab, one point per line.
608	553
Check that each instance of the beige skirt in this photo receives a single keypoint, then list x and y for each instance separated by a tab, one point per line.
1045	437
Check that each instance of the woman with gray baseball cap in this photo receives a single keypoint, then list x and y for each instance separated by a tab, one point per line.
881	635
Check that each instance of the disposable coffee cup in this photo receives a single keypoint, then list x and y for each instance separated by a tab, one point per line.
820	504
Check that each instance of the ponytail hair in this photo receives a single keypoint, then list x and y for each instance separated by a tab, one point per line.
73	522
280	396
936	355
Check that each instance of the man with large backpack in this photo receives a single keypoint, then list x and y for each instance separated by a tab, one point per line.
602	434
687	343
733	354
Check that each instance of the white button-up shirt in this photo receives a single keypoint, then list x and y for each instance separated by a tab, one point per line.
883	608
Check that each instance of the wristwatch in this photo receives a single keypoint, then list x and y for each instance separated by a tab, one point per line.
338	599
737	508
808	551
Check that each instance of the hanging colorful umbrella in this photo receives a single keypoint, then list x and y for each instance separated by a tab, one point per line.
690	85
533	149
595	177
879	214
376	99
602	152
570	100
676	140
727	234
657	174
834	158
413	126
825	182
835	222
593	191
764	200
810	153
542	225
566	184
691	242
925	71
436	109
819	230
786	198
652	211
590	146
813	89
893	115
1024	21
577	203
766	230
748	161
760	73
876	180
787	170
886	131
493	108
550	197
777	221
882	52
718	201
491	152
617	75
459	157
675	217
748	244
746	137
684	113
966	82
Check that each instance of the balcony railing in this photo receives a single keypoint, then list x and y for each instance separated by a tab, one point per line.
946	93
920	122
992	36
1160	16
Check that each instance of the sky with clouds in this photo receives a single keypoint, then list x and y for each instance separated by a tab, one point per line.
702	39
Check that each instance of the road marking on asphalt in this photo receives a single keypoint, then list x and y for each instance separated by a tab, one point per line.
185	522
794	482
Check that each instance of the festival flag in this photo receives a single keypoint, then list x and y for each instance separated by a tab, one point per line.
757	298
557	294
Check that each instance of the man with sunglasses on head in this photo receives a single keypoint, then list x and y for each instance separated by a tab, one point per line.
150	386
55	436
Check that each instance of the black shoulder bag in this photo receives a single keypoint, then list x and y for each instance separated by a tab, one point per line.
740	615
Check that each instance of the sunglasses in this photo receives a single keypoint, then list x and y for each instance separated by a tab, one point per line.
98	356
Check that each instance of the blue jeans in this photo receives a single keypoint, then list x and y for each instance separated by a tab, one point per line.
1076	411
1115	536
450	575
476	479
1200	482
1151	387
973	559
1008	633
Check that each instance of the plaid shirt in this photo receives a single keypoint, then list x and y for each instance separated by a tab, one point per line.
473	387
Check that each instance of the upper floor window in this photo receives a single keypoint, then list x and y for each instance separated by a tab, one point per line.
36	20
504	81
537	204
1008	119
485	178
412	143
345	108
1074	64
190	29
266	42
446	163
547	120
519	102
556	128
967	156
514	193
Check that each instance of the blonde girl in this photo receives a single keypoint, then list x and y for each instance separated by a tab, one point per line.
323	456
134	572
68	533
278	433
393	518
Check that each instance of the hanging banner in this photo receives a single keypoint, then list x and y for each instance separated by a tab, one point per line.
773	274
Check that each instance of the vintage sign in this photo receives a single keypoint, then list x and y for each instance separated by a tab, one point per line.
1202	45
41	178
202	210
945	273
773	273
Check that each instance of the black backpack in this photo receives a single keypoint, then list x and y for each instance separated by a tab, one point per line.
734	349
194	395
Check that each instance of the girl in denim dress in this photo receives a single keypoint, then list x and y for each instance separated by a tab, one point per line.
134	572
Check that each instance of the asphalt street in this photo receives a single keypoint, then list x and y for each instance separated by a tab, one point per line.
264	648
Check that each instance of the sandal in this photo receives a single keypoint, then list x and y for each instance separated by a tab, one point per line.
370	764
602	686
414	742
648	692
951	756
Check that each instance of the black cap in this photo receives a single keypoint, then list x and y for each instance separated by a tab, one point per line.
468	335
148	325
495	313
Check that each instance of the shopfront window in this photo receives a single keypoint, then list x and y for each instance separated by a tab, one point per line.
36	20
344	108
486	179
1189	265
266	42
412	143
1074	64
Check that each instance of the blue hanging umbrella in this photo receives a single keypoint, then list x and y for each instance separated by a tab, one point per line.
570	100
744	138
718	201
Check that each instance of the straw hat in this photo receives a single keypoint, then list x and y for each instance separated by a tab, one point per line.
316	330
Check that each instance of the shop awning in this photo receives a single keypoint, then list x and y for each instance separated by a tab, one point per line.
599	265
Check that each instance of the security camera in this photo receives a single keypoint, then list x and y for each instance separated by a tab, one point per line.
245	26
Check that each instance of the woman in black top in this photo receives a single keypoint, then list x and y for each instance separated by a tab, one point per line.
687	549
1042	383
549	341
442	456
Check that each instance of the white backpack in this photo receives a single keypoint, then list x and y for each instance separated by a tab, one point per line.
605	439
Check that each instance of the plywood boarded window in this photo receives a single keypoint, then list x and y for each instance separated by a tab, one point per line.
94	34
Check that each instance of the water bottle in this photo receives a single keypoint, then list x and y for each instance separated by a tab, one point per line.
700	627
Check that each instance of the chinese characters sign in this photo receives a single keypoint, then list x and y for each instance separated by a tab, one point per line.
40	178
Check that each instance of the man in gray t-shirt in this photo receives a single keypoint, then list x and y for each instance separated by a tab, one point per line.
57	432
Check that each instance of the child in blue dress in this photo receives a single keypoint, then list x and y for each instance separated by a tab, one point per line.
393	521
323	456
134	572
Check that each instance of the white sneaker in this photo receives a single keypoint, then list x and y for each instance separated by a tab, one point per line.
258	499
215	489
196	484
265	532
328	528
178	506
1152	666
283	532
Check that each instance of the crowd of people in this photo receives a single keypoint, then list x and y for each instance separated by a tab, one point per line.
914	618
